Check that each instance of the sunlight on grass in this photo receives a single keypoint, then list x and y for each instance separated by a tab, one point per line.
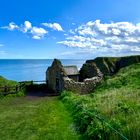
116	100
35	119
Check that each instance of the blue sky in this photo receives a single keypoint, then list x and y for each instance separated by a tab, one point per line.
80	29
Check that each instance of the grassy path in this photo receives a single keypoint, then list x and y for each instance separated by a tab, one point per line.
24	118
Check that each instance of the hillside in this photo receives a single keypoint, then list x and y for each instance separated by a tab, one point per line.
114	106
9	85
5	82
107	65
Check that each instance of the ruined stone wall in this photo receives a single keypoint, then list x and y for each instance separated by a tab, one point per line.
53	73
87	86
74	77
81	87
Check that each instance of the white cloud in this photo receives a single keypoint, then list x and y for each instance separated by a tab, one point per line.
105	37
27	26
54	26
35	32
71	31
36	37
12	26
38	33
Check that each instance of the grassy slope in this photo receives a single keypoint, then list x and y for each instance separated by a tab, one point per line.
5	82
35	119
117	99
9	83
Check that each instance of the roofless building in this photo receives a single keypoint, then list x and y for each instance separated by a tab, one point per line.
56	72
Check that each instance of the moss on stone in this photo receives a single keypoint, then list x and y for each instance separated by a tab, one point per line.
107	65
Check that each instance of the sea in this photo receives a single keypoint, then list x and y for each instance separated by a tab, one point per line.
31	69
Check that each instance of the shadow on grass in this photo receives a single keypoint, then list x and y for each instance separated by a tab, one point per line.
39	90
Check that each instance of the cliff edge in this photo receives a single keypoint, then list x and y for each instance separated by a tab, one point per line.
107	65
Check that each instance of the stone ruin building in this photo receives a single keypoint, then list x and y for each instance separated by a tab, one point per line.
59	78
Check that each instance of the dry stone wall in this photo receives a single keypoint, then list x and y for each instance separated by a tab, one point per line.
87	86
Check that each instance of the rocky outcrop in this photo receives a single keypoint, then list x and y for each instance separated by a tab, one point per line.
126	61
107	65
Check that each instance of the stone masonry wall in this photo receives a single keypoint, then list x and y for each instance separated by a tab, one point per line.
84	87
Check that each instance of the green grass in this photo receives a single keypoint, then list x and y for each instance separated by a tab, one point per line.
5	82
11	85
126	77
24	118
116	101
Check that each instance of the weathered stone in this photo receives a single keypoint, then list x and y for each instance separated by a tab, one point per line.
106	65
82	87
55	74
61	78
58	79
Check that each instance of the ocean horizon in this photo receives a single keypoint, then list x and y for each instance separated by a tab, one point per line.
31	69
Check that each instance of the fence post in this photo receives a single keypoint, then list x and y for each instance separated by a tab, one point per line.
20	86
5	89
16	88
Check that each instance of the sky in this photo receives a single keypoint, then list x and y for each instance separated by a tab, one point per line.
69	29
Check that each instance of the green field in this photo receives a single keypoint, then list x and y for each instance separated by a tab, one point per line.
115	104
32	118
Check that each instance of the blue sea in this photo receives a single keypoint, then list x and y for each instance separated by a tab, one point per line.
30	69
